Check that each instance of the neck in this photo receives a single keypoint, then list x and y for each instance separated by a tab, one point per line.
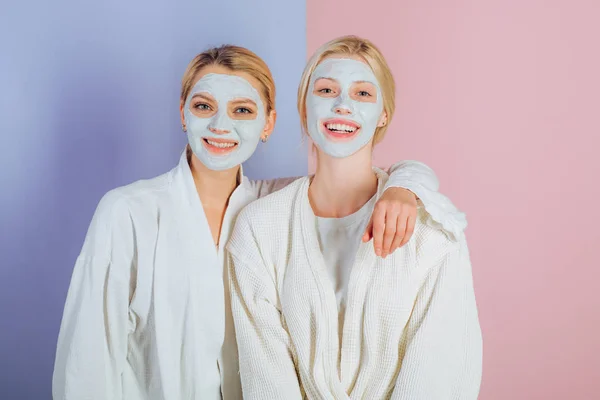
214	187
341	186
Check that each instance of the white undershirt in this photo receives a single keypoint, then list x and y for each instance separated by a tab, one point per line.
339	239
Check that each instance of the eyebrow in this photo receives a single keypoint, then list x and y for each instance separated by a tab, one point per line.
369	82
242	101
202	95
326	77
335	80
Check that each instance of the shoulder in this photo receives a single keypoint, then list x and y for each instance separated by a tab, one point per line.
273	206
433	242
144	190
265	218
118	202
113	220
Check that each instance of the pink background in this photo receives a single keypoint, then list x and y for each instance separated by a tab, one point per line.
502	99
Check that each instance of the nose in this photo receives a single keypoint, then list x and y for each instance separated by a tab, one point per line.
341	110
342	105
220	124
218	131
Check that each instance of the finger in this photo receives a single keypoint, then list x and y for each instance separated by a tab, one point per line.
410	228
400	230
399	233
391	223
379	226
368	231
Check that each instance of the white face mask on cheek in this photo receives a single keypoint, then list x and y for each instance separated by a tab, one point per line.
319	110
246	133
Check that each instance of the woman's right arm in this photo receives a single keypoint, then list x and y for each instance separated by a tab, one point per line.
267	368
92	343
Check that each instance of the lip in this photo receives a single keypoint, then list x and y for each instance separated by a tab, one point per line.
219	150
337	136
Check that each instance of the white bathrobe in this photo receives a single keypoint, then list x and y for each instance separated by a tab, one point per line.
411	328
147	315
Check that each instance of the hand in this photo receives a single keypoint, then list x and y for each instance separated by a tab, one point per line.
393	221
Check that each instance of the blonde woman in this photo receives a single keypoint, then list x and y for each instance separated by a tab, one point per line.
147	313
317	314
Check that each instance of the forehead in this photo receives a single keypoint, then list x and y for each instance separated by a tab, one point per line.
344	70
225	87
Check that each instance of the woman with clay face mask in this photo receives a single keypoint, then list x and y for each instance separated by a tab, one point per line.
147	314
317	314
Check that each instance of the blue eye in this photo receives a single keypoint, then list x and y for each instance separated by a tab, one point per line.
202	106
363	93
243	110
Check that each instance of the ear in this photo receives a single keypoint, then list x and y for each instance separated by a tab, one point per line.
382	120
182	115
269	125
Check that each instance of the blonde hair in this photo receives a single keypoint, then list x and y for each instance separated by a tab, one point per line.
237	59
352	46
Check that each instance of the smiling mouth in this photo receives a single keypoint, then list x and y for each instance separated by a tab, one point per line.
219	146
340	129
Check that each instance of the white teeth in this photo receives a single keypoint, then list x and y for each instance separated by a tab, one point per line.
341	127
220	145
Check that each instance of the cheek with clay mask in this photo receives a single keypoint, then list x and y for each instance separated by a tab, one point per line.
340	125
219	141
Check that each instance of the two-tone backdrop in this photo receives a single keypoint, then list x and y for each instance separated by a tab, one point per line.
499	97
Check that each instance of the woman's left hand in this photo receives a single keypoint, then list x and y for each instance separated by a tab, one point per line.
393	220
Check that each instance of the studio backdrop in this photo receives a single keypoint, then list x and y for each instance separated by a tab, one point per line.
499	97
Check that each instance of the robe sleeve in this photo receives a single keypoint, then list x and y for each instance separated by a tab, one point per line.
92	343
422	181
442	344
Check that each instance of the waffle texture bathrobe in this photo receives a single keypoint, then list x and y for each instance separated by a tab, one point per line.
411	327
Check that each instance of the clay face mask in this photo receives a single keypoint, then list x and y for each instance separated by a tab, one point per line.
232	140
342	133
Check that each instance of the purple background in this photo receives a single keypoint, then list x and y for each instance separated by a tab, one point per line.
89	102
